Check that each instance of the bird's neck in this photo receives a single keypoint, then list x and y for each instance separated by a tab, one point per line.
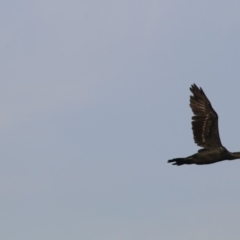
235	155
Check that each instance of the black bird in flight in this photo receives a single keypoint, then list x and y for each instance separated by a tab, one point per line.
205	133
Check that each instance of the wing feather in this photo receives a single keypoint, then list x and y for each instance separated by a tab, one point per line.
204	121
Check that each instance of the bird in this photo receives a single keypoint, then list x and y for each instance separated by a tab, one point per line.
205	133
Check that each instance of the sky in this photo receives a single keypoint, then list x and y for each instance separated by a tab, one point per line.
94	100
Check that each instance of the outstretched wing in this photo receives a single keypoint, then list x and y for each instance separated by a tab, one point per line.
204	121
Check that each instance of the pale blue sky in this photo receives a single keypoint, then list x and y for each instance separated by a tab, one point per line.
94	100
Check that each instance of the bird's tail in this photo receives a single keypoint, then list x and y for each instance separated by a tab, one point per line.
180	161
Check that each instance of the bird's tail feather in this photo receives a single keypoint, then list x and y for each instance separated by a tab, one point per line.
180	161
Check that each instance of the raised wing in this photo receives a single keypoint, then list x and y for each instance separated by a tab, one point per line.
204	121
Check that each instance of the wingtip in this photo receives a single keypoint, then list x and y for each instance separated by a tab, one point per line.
194	86
196	90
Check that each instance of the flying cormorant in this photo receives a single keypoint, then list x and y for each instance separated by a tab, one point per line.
205	133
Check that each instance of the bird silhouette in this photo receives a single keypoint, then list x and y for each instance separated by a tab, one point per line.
205	133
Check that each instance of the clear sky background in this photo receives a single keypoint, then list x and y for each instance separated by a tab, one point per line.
94	100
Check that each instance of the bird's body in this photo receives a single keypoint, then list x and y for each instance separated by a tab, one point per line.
205	132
